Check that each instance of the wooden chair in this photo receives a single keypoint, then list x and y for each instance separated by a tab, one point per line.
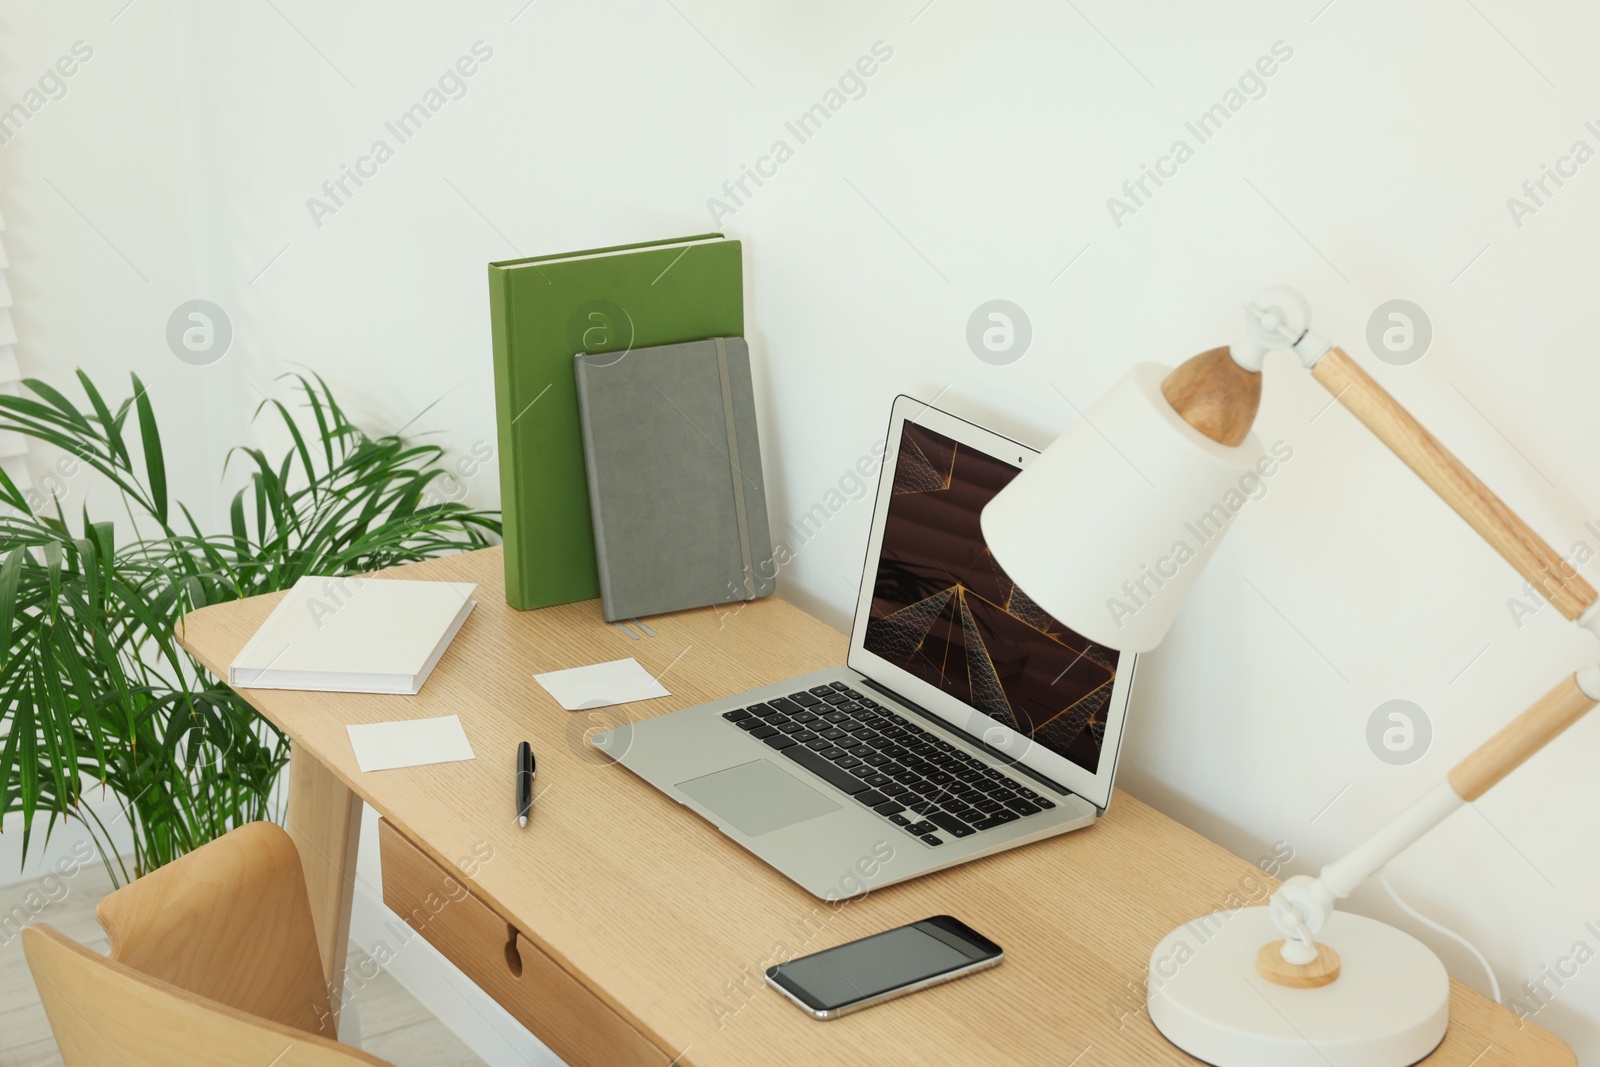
213	961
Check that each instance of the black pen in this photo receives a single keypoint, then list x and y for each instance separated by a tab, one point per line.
526	769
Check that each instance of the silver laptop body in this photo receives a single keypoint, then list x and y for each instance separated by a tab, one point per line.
1000	727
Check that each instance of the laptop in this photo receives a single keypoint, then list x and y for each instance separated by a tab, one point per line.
965	721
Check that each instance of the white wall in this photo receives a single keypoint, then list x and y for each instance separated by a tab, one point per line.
977	165
94	192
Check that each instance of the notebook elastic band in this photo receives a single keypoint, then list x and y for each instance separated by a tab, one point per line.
738	472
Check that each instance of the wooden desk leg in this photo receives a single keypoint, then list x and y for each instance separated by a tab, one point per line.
324	820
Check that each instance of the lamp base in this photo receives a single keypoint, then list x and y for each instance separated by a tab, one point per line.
1389	1007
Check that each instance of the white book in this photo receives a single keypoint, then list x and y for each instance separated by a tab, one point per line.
354	635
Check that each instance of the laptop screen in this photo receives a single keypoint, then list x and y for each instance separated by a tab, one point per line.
943	611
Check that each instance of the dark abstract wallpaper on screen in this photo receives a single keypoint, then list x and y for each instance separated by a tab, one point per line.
943	609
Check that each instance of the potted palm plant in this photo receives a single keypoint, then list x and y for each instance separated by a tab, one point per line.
95	692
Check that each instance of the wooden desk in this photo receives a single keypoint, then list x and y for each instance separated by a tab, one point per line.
624	930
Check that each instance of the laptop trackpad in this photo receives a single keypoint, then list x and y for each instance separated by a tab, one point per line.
758	797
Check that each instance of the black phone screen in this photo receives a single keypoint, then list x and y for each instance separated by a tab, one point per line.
860	970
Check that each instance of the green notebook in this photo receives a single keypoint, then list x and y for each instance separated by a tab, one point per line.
544	311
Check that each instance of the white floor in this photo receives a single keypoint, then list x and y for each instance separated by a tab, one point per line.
393	1025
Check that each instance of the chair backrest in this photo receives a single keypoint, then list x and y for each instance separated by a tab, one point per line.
105	1013
230	921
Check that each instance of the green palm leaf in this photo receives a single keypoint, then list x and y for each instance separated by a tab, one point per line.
93	682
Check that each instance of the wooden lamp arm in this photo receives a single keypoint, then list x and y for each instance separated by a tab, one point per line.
1218	393
1533	557
1313	899
1529	732
1435	464
1219	398
1508	534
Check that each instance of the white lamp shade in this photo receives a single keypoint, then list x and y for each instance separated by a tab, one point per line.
1109	527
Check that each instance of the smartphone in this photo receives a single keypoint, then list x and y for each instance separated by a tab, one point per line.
859	974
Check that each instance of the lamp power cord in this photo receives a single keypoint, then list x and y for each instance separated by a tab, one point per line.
1494	983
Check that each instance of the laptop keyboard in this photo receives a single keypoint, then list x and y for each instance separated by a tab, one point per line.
909	775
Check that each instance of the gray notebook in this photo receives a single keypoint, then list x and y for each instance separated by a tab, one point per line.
675	486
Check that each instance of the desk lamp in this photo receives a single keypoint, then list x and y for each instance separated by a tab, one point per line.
1107	530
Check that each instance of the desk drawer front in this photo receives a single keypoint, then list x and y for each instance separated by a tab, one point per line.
558	1009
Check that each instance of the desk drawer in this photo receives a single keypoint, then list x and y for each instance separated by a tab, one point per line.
558	1009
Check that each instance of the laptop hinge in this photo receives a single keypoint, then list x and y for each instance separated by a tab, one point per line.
1009	763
